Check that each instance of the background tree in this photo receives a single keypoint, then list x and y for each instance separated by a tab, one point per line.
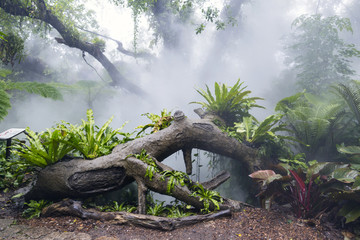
317	53
53	15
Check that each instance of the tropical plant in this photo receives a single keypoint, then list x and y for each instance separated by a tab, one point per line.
55	143
2	35
211	199
116	207
296	161
158	122
177	211
34	208
11	48
228	103
174	178
157	209
351	210
319	188
89	141
351	94
263	135
152	167
314	121
44	148
7	86
13	173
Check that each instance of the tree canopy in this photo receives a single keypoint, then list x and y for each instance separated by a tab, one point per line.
317	53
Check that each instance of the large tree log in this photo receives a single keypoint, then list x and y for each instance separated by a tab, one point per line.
81	178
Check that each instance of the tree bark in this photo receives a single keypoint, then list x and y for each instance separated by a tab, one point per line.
69	38
69	207
82	178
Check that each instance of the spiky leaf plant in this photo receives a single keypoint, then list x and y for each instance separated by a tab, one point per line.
89	141
44	148
229	103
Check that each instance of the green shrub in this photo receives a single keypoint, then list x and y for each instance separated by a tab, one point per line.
34	208
208	197
86	140
44	148
90	142
231	104
158	122
312	190
13	173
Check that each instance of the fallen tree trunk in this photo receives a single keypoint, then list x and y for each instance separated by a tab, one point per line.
82	178
69	207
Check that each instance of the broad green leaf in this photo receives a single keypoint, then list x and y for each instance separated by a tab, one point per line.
351	211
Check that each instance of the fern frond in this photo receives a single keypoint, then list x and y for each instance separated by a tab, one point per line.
5	104
42	89
351	94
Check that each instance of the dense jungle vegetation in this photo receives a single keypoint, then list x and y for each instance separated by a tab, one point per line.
310	139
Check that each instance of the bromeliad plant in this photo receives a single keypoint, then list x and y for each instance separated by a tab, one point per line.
228	103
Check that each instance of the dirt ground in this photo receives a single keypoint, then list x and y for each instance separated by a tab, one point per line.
250	223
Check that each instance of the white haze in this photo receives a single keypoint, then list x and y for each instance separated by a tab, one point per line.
251	51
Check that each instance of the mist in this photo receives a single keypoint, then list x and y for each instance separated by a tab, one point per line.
252	51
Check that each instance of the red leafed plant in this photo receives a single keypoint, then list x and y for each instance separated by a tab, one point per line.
312	190
301	195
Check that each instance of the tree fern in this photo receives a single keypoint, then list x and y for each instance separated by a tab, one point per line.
313	120
351	94
42	89
4	103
